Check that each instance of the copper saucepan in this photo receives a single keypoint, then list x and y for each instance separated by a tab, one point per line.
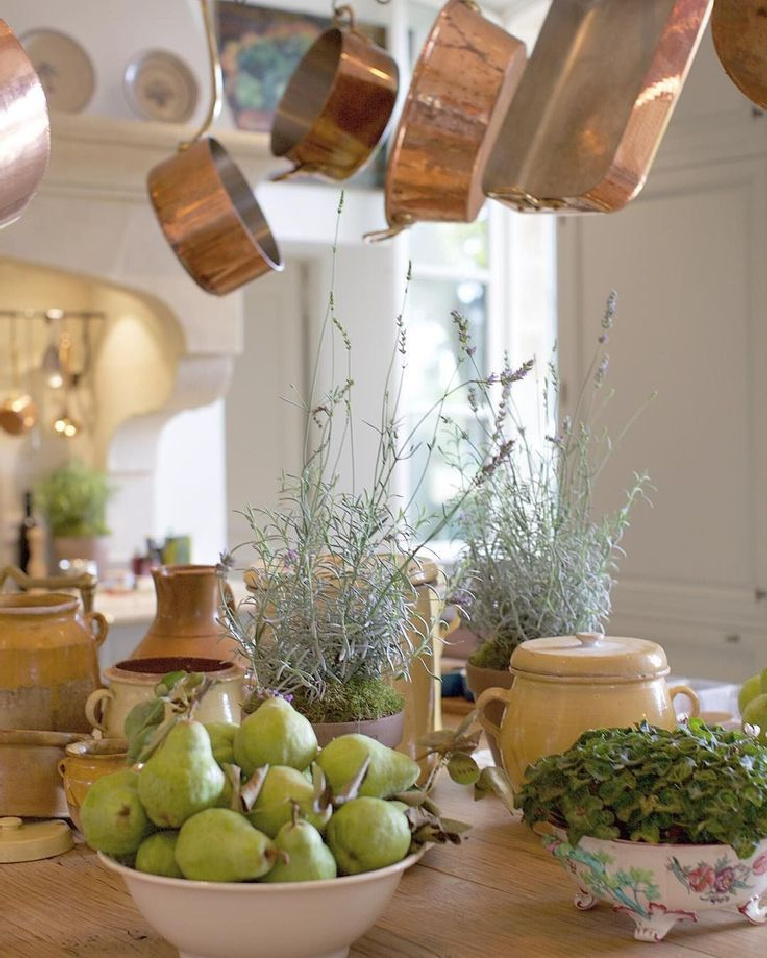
206	208
582	132
462	85
739	31
337	103
25	139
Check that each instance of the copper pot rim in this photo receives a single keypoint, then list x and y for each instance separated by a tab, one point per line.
233	183
397	216
334	38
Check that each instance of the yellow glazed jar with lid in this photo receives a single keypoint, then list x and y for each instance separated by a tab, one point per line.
565	685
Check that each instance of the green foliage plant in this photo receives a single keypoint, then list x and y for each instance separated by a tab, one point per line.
535	560
694	784
329	616
73	499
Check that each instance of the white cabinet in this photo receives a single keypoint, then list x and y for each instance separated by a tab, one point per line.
687	260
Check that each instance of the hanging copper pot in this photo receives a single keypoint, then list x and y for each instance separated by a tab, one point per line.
25	139
588	117
337	103
462	85
739	31
18	413
206	208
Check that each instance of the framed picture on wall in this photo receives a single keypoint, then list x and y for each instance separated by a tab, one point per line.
259	48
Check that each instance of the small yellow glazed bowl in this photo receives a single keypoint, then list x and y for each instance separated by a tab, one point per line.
85	762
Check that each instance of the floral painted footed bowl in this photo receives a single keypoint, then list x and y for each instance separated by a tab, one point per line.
660	885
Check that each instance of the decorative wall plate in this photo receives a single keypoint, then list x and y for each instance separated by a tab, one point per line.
64	68
160	86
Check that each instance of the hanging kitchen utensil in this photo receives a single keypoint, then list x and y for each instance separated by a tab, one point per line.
592	107
18	412
739	31
66	425
337	103
25	139
461	88
206	208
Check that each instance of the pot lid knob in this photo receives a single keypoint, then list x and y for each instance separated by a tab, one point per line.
588	639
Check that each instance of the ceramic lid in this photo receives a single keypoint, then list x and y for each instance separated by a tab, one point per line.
27	842
590	654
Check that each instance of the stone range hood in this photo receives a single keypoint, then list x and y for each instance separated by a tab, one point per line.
92	220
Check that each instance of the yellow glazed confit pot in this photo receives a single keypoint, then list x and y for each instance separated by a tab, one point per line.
565	685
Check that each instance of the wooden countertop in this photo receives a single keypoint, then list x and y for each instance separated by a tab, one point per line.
498	894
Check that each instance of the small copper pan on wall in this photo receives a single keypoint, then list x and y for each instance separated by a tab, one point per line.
604	77
461	88
25	139
206	208
337	103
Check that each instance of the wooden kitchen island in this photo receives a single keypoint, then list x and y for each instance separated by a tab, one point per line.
499	894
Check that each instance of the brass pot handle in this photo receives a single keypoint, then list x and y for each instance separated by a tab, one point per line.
488	696
101	629
691	694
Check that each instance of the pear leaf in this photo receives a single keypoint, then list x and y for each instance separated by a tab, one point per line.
494	780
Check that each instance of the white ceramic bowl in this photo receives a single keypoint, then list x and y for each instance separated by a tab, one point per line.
318	919
660	885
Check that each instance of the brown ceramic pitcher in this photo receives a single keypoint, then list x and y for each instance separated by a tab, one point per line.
186	623
48	661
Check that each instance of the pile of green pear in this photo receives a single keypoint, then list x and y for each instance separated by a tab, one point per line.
752	702
257	802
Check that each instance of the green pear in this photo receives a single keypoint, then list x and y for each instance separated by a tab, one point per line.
282	788
275	734
749	690
367	833
755	713
306	857
221	736
222	845
389	772
157	855
113	818
182	777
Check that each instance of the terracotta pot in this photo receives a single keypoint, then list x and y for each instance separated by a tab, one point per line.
565	685
48	661
186	623
477	680
84	763
86	548
134	681
387	730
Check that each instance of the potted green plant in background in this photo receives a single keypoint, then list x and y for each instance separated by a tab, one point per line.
661	824
330	617
73	500
535	559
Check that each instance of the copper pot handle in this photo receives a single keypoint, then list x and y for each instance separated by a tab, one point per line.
488	696
216	81
101	630
691	694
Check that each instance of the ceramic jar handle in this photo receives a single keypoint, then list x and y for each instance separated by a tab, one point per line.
96	708
488	696
98	627
691	695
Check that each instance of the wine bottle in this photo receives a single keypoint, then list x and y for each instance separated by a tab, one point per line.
25	526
